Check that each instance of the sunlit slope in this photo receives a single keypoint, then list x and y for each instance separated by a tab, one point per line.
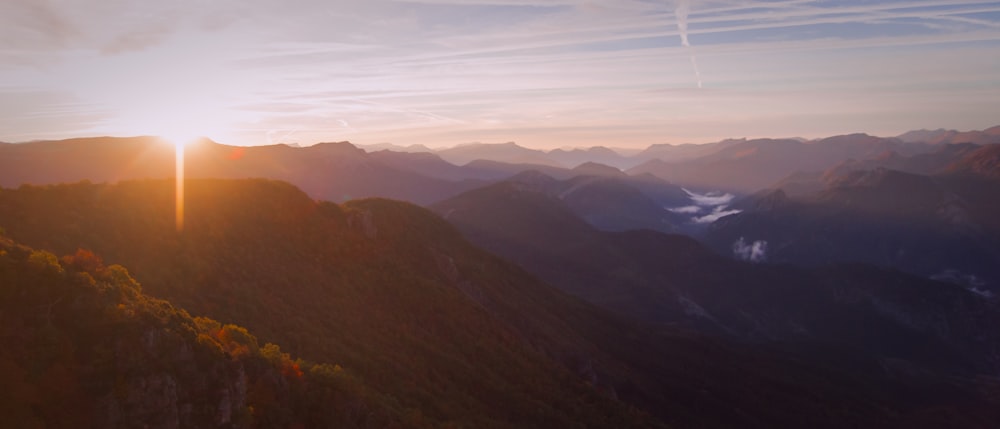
84	347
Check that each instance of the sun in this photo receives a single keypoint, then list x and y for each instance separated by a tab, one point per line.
181	137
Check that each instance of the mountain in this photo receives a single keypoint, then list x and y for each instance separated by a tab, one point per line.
751	165
596	155
609	200
448	334
935	226
328	171
983	162
84	347
413	148
385	289
679	153
502	152
496	170
942	136
427	164
938	161
670	279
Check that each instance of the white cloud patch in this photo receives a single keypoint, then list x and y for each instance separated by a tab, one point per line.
710	199
752	252
971	282
686	209
707	207
717	213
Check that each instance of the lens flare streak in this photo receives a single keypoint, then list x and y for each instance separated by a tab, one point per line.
179	186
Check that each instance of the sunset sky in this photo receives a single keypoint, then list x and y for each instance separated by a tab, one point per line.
541	73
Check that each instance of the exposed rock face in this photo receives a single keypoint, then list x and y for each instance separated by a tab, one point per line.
161	384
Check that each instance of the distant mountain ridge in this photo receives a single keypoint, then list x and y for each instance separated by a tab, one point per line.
341	171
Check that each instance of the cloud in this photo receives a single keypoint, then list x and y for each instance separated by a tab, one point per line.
971	282
443	72
710	199
716	204
753	252
717	213
35	24
686	209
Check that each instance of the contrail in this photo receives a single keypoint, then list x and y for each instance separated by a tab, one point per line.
681	12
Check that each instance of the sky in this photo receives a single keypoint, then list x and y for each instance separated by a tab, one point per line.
544	74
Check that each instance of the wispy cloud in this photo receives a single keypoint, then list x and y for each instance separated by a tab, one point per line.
542	73
716	214
710	199
686	209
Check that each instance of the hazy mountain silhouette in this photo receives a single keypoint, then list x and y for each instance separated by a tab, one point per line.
748	166
329	171
502	152
413	148
340	171
595	155
429	165
942	136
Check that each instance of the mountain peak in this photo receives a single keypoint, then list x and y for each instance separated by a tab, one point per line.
534	180
939	135
596	169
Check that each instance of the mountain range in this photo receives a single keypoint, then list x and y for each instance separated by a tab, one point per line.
445	331
840	282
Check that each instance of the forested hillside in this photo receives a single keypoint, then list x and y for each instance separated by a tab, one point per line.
84	347
382	288
442	333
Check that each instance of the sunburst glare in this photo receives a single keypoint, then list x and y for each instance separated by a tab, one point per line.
179	186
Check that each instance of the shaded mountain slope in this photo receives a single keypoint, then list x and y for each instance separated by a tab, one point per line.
613	202
944	159
944	226
673	279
